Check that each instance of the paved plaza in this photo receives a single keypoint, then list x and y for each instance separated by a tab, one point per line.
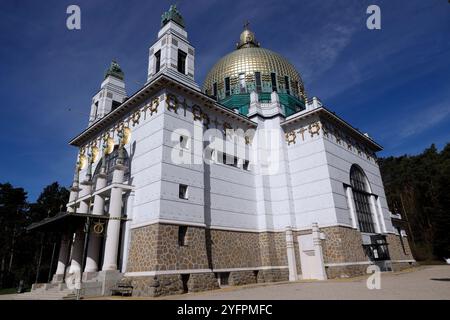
426	282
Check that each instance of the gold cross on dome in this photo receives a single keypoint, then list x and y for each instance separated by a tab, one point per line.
246	24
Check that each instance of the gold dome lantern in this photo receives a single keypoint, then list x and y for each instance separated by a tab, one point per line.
252	68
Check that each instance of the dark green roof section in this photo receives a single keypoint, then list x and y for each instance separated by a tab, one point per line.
241	102
115	71
172	15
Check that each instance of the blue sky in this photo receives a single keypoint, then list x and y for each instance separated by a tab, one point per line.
392	83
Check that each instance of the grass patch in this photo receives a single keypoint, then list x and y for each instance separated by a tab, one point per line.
8	291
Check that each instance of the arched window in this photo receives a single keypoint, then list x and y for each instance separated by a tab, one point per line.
361	196
110	163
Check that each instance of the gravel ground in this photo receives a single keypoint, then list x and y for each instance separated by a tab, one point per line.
428	282
425	282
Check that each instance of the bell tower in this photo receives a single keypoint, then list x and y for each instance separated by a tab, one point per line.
172	54
112	93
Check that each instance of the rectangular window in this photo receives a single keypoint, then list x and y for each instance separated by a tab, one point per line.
363	211
158	61
258	81
242	82
274	81
288	88
182	61
182	231
183	191
245	165
227	86
215	90
96	109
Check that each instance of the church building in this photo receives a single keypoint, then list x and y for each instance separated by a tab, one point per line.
181	188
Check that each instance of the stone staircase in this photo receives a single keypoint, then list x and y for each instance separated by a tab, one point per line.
95	284
48	291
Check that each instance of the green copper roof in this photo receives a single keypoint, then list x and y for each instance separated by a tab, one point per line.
115	71
174	15
289	103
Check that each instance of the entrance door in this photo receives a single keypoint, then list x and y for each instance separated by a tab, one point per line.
307	255
311	258
378	252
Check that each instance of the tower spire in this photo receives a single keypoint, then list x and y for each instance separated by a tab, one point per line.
172	54
112	93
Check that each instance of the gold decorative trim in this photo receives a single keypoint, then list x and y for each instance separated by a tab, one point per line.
172	102
314	129
152	106
290	137
135	117
302	132
196	112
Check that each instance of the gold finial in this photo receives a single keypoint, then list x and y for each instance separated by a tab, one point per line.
247	38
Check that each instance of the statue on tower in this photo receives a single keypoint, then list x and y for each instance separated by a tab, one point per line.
115	71
174	15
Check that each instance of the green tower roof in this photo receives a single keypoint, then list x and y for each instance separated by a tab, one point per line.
174	15
115	71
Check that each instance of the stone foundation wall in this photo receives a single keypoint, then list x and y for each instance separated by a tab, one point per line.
395	248
202	282
273	275
238	278
231	249
273	248
172	256
143	249
154	286
160	285
155	248
342	244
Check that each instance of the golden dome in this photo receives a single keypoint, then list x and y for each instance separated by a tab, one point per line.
248	59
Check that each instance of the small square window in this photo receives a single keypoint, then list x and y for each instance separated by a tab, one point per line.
184	142
183	191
